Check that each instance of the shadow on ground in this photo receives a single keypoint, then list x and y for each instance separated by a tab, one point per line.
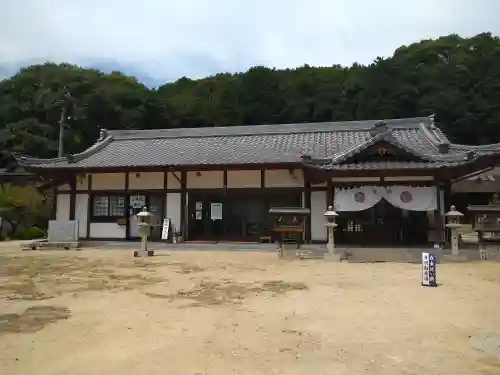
32	319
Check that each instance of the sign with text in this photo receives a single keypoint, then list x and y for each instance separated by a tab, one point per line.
216	211
429	269
165	229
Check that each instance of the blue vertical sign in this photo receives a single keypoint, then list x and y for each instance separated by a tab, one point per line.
429	269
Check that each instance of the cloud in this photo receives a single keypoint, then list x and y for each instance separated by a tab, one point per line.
167	39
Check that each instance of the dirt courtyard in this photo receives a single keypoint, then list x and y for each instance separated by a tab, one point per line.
104	312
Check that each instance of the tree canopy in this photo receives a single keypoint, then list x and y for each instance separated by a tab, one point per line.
456	78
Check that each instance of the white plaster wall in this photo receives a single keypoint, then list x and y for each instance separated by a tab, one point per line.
81	213
82	182
206	180
62	207
243	179
172	182
318	208
283	178
173	209
145	180
107	230
108	181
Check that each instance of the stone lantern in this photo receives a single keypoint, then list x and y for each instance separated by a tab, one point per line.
453	223
144	223
330	225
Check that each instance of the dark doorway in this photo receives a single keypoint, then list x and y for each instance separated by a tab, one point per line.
382	225
235	215
154	203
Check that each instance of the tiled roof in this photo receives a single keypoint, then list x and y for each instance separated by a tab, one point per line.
386	165
330	143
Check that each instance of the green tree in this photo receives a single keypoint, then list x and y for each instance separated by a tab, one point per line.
22	206
456	78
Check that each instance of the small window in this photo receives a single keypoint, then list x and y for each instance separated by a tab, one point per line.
108	206
352	226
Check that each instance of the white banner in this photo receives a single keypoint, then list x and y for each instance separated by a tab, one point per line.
357	199
411	198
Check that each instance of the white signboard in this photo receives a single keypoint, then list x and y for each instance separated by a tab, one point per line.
429	269
165	229
216	211
138	201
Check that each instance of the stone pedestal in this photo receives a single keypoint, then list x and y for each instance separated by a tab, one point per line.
454	238
332	254
143	251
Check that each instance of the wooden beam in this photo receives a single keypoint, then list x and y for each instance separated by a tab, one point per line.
160	168
179	179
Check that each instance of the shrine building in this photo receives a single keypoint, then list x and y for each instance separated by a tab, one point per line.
389	181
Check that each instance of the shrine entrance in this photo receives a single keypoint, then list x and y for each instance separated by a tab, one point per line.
378	216
382	225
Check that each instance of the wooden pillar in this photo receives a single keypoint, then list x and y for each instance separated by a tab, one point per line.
89	203
438	218
72	198
224	200
184	216
307	204
164	195
127	206
53	213
329	193
447	203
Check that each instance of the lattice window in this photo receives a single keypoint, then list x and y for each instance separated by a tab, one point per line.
108	206
116	206
100	206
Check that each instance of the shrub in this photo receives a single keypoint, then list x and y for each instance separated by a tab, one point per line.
29	233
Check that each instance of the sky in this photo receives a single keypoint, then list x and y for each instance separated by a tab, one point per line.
162	40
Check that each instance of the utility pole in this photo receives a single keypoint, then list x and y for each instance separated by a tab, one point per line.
60	148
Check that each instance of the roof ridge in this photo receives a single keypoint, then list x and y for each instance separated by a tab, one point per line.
269	129
388	137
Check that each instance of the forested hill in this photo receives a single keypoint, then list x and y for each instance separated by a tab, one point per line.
456	78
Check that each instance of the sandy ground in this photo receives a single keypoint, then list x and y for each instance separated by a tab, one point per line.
104	312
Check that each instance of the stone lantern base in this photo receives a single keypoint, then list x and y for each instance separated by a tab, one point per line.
143	253
336	257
